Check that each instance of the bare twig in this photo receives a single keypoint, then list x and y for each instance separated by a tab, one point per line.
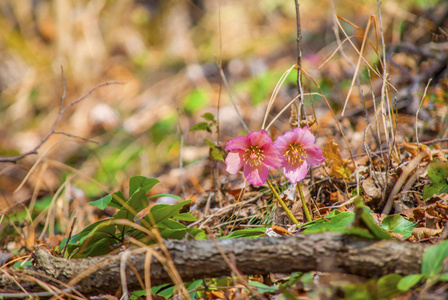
300	108
62	110
418	110
402	180
226	85
69	236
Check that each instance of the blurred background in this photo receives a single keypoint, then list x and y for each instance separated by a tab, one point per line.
167	54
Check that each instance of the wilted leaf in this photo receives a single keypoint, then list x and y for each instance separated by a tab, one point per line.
424	233
371	189
339	167
280	230
214	294
415	148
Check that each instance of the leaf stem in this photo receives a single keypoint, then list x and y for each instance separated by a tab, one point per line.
304	206
282	204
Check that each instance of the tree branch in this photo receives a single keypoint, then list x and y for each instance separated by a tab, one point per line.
326	252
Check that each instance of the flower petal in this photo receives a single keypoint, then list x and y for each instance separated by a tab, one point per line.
256	175
282	142
306	137
295	173
234	161
259	138
272	157
239	143
314	155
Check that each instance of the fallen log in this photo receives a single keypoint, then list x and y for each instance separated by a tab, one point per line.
325	252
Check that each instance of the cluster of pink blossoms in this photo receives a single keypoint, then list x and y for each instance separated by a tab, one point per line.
294	152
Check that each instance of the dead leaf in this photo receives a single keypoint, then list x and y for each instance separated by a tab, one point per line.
371	189
339	167
337	197
281	230
215	295
424	233
414	149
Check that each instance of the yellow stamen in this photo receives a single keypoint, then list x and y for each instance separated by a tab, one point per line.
295	153
254	156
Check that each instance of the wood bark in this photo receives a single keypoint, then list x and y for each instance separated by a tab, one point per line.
326	252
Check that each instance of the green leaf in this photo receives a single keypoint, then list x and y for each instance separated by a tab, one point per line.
118	200
135	204
93	240
193	286
432	262
166	195
167	293
409	281
438	173
102	203
398	224
170	229
115	200
361	232
210	143
364	221
246	233
185	217
161	212
197	233
263	288
145	183
217	154
196	100
209	117
338	223
137	295
443	277
22	264
387	286
201	126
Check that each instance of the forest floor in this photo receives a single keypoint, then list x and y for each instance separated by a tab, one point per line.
98	95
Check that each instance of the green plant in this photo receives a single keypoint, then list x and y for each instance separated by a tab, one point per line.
215	151
432	270
106	235
438	173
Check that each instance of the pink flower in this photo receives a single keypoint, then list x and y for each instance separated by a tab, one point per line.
298	151
255	153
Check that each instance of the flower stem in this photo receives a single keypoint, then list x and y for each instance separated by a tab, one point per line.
304	206
283	205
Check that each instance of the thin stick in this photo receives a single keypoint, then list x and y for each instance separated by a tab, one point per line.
416	114
282	204
304	206
300	107
226	85
69	236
